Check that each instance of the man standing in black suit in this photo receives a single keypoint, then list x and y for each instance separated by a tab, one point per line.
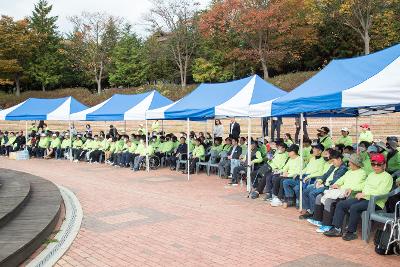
234	153
234	129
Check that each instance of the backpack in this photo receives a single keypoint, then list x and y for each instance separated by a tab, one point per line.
383	244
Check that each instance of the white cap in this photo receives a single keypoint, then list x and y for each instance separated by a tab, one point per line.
345	129
42	134
54	135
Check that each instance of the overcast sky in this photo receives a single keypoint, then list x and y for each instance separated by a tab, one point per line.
131	10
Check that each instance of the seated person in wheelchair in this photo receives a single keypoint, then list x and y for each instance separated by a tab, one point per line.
313	170
267	170
179	153
256	161
336	169
346	186
199	154
146	151
378	182
165	148
140	154
234	153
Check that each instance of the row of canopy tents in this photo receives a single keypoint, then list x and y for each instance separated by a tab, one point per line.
347	87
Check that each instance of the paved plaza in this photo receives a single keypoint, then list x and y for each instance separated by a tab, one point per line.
161	219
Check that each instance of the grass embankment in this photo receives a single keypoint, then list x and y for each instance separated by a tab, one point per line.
172	91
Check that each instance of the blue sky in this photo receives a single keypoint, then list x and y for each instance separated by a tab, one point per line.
132	10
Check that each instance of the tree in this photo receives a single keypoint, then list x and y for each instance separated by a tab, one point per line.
45	65
17	43
264	26
128	60
92	42
177	19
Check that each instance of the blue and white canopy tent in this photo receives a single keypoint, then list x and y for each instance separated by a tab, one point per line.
347	87
59	109
353	87
123	107
220	100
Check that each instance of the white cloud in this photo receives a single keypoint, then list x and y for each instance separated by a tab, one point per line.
131	10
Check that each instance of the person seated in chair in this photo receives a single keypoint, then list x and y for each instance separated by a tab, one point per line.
255	160
313	170
275	165
312	191
199	154
346	186
54	145
143	153
379	182
225	148
180	152
291	170
233	154
216	149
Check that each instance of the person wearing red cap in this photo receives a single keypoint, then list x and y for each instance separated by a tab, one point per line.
366	134
377	183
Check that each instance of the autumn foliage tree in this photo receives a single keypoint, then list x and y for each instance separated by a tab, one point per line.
266	28
17	42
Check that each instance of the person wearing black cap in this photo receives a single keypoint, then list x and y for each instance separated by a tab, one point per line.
266	171
255	160
324	138
313	169
291	170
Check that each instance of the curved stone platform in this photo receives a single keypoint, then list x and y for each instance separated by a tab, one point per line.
30	208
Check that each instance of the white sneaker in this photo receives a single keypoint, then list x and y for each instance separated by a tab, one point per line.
76	161
276	202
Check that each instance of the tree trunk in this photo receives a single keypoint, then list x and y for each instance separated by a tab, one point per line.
43	88
98	81
265	68
367	40
17	85
183	76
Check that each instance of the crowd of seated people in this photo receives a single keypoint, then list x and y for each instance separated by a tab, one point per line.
338	177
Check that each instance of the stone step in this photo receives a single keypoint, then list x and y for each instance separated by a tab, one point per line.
34	223
14	193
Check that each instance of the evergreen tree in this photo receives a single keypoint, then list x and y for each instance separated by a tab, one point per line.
45	66
129	68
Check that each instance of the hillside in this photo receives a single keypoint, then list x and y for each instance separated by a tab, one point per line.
174	92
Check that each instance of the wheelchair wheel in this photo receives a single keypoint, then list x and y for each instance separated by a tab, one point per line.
154	163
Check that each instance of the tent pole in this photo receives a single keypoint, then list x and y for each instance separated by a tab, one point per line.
147	147
248	154
26	135
330	127
301	160
162	126
188	150
262	130
357	133
212	131
70	141
125	127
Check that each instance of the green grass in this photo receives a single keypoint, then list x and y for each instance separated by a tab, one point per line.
172	91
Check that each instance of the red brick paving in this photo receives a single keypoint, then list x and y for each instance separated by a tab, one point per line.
161	219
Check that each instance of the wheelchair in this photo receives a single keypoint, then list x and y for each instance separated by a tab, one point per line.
154	163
